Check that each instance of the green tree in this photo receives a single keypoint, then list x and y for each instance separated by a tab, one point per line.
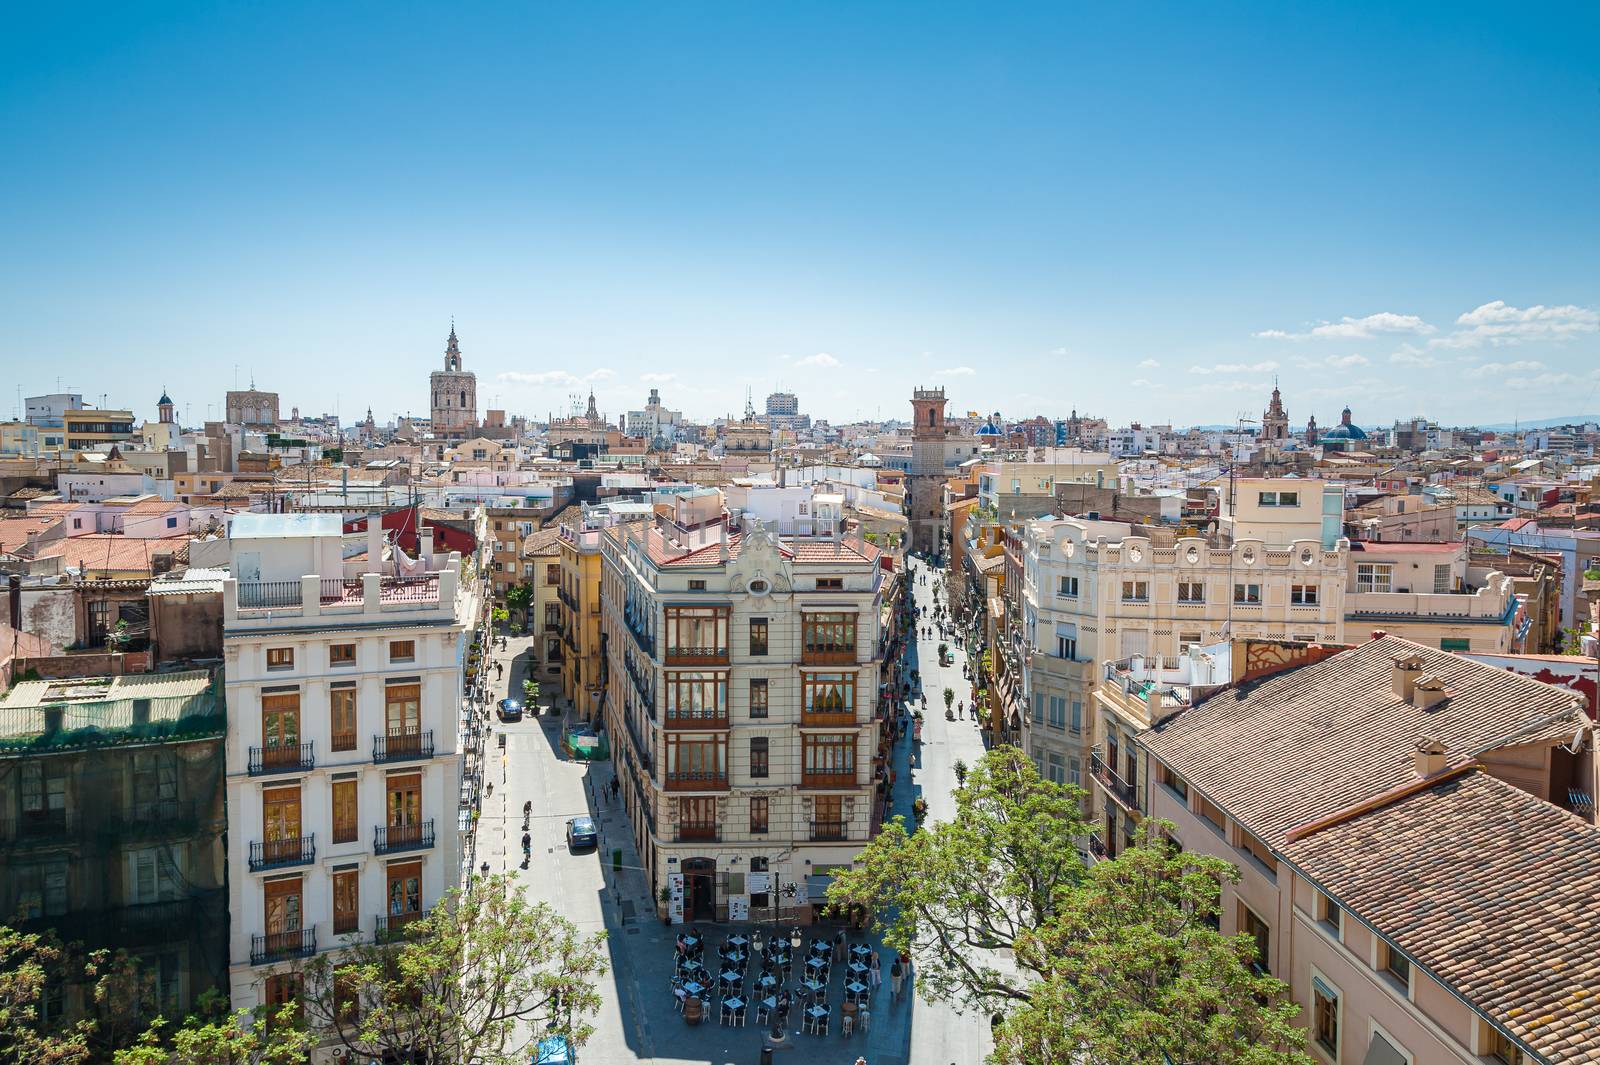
214	1036
28	964
949	698
499	615
469	981
530	691
519	596
1133	971
1108	964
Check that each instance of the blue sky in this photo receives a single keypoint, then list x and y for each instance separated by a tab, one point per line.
1141	211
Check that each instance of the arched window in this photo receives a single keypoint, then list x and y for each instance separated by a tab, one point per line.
463	397
930	415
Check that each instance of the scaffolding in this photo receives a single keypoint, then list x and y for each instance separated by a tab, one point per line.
112	828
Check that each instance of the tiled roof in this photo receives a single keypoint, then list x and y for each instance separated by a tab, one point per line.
542	542
1296	746
101	552
14	532
1501	901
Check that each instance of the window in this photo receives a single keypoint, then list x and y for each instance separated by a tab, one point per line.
1442	583
758	814
404	883
342	654
342	717
696	759
1074	773
1374	576
1055	768
1330	916
1058	712
1256	928
758	636
402	709
1191	592
152	877
282	905
697	632
155	785
1038	708
833	694
1135	591
828	634
758	697
1502	1049
829	755
1454	643
1279	499
830	584
1303	594
1249	594
346	996
280	722
758	756
404	799
1067	647
402	650
346	901
1325	1016
697	695
344	811
1175	783
552	574
282	989
1210	812
172	523
1394	965
1067	587
697	585
1254	847
280	658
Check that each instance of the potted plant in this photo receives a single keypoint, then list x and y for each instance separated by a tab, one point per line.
949	697
960	769
944	653
665	895
919	808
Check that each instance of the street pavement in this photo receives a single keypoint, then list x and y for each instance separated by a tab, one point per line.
604	889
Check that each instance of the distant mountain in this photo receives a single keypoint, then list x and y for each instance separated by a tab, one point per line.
1542	423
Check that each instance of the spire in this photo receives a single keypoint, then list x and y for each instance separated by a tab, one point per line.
452	350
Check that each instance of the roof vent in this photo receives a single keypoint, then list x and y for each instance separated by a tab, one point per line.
1428	692
1429	756
1407	670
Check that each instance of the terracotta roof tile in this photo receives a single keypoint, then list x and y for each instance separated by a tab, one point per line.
1501	901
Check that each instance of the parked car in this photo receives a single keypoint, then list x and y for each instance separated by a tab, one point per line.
510	710
581	833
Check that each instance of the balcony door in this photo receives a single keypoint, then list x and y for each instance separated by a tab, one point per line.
284	908
280	816
404	808
280	723
402	709
404	889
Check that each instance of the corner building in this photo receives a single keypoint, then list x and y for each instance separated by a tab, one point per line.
742	690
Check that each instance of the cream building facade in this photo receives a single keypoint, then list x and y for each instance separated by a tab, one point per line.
344	686
743	671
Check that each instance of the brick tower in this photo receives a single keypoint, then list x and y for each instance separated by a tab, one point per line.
925	486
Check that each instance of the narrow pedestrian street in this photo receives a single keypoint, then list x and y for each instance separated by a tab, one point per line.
605	888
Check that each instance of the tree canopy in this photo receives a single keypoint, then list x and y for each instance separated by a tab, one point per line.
1115	962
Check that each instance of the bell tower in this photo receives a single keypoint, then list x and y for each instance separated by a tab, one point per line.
925	485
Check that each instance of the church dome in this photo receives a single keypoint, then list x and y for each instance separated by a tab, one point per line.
1345	432
165	399
989	429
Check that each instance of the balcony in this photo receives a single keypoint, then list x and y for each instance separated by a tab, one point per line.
283	946
828	718
830	830
845	778
335	591
268	595
405	746
152	818
645	640
1097	849
692	780
641	686
827	656
698	831
567	598
696	719
392	839
283	853
282	758
392	926
40	827
696	656
1125	794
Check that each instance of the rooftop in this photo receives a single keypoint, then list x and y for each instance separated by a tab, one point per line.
247	525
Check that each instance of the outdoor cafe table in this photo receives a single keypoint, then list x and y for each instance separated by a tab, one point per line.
821	946
814	986
694	989
730	977
858	969
861	950
855	988
737	941
767	980
734	957
816	964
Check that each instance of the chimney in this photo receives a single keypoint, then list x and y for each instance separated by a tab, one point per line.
1428	692
374	542
1429	757
1403	678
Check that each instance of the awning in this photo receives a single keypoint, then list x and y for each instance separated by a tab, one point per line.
1382	1052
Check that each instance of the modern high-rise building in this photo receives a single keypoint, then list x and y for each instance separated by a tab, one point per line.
742	697
453	393
344	687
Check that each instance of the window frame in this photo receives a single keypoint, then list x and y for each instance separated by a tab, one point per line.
280	659
1243	594
402	650
341	655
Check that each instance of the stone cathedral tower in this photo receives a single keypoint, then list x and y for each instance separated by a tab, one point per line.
454	395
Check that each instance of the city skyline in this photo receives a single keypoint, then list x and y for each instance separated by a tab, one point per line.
1140	214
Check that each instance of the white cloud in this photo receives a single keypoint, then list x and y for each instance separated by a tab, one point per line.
1140	382
1539	382
1150	364
657	378
604	373
1496	369
1058	351
1234	386
1348	328
956	371
1497	323
1236	367
1411	355
821	360
539	380
1346	362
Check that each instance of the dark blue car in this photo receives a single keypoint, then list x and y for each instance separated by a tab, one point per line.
510	710
581	833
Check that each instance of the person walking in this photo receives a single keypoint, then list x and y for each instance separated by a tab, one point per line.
896	974
876	971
